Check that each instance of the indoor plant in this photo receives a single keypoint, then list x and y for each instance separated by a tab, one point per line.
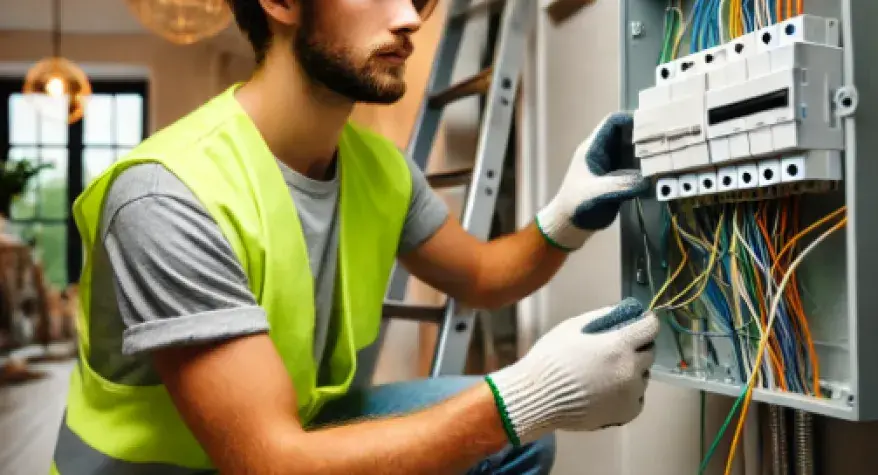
14	177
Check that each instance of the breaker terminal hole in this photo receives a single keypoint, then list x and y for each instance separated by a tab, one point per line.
790	30
792	169
766	37
768	173
727	181
666	190
665	73
746	177
739	48
687	187
708	183
708	58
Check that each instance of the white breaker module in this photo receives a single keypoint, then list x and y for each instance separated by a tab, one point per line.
750	117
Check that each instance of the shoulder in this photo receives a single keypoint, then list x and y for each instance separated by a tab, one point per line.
151	201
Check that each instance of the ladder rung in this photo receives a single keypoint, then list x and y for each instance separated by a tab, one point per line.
450	178
405	311
477	84
476	8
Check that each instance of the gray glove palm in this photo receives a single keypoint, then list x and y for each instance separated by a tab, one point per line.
595	185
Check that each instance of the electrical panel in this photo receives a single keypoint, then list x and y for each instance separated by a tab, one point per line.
754	122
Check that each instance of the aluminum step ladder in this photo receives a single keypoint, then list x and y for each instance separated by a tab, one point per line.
499	84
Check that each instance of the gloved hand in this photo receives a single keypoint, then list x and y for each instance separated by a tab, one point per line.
594	187
587	373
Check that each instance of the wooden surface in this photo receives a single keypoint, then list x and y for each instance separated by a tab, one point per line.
30	415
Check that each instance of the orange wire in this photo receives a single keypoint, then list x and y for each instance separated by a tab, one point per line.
789	9
748	395
802	331
797	303
800	8
779	9
807	230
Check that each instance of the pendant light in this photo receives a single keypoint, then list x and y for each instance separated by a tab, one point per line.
54	81
182	21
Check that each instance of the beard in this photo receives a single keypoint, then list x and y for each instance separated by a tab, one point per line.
336	67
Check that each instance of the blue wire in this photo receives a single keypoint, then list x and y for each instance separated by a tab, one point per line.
696	27
747	6
783	330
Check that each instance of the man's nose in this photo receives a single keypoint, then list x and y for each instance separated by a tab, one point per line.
406	17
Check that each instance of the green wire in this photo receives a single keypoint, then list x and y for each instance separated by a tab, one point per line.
703	422
672	25
721	432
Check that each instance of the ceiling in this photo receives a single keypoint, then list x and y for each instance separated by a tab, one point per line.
86	16
77	16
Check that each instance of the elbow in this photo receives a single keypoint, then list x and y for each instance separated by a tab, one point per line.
273	451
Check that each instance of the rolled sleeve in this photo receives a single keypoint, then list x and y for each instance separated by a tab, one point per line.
177	280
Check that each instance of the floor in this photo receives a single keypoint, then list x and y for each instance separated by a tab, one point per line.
30	414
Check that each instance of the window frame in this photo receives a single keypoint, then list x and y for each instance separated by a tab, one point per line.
75	151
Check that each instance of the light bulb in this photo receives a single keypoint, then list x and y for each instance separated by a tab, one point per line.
58	89
55	86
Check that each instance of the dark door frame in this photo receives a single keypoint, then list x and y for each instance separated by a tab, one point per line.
75	149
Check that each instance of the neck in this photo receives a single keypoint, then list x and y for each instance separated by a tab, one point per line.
300	121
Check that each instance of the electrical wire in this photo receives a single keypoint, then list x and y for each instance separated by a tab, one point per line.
723	291
748	392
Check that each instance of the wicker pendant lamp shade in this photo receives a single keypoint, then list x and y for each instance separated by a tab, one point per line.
182	21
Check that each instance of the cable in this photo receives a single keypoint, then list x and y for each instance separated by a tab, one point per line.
747	394
702	277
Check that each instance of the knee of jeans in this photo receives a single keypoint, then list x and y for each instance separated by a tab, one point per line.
544	450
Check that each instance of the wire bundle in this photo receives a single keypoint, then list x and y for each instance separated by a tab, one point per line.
712	23
735	279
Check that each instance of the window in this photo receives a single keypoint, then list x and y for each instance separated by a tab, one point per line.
114	122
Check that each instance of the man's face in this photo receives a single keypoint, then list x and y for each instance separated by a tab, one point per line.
358	48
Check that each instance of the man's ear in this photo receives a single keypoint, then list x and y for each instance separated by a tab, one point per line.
284	12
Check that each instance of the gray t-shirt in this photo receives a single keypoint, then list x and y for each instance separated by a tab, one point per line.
166	275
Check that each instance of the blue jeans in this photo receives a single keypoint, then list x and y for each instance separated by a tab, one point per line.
398	398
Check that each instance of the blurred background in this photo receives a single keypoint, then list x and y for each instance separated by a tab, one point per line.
133	68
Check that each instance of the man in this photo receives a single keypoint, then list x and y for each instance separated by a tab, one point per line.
238	260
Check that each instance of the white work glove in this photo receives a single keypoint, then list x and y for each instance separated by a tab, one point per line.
587	373
594	187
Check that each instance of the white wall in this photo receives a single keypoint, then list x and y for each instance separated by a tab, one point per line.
572	82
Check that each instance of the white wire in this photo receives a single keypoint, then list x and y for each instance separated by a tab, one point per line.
759	8
719	19
775	303
770	376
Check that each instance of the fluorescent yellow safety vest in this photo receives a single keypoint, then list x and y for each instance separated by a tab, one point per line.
219	154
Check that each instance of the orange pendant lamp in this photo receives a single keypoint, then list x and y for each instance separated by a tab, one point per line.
57	86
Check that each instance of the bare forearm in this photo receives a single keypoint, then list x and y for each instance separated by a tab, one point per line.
514	266
448	438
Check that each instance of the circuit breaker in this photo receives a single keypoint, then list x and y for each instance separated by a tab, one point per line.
756	126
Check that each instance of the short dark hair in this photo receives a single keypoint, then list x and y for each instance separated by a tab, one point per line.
253	22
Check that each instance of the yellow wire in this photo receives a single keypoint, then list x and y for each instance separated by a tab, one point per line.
704	277
772	315
682	32
677	271
734	271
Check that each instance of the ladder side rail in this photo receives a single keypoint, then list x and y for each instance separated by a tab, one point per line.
456	329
